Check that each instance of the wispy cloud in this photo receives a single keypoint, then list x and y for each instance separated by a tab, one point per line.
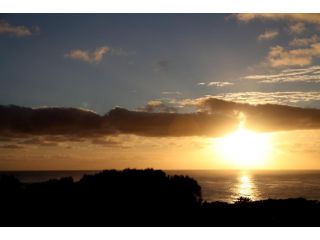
301	42
280	57
296	17
171	93
18	31
290	98
11	146
268	35
219	84
215	84
295	98
107	142
297	28
159	106
88	56
308	74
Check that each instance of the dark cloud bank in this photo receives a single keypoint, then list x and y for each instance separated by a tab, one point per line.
218	117
268	117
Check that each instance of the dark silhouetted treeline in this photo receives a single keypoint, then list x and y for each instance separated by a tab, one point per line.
139	198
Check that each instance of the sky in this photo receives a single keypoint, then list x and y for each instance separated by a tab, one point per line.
93	91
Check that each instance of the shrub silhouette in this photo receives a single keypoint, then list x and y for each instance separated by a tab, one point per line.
139	198
242	200
119	197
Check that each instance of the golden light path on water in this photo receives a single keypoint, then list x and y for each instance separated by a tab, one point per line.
244	149
245	187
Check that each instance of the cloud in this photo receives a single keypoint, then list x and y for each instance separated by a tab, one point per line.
297	28
267	117
171	93
259	115
106	142
301	42
11	146
215	117
88	56
215	84
40	141
22	121
171	124
313	18
220	84
268	35
281	57
71	124
307	74
214	111
158	106
5	139
18	31
281	98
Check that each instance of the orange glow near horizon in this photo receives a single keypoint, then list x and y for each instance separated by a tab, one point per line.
242	149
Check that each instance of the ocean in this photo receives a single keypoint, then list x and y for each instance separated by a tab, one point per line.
223	185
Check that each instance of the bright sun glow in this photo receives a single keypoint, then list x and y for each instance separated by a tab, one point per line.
244	148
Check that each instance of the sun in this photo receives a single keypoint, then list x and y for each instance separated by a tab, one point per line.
244	148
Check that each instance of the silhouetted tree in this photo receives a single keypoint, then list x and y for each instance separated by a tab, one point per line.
139	198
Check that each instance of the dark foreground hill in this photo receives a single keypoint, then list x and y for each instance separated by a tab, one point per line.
139	198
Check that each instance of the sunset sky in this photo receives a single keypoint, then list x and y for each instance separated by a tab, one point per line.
95	91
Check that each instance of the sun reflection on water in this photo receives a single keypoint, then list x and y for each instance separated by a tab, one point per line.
245	187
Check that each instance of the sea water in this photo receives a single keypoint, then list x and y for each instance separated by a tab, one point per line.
223	185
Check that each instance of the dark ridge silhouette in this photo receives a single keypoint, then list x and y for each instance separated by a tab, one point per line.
139	198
